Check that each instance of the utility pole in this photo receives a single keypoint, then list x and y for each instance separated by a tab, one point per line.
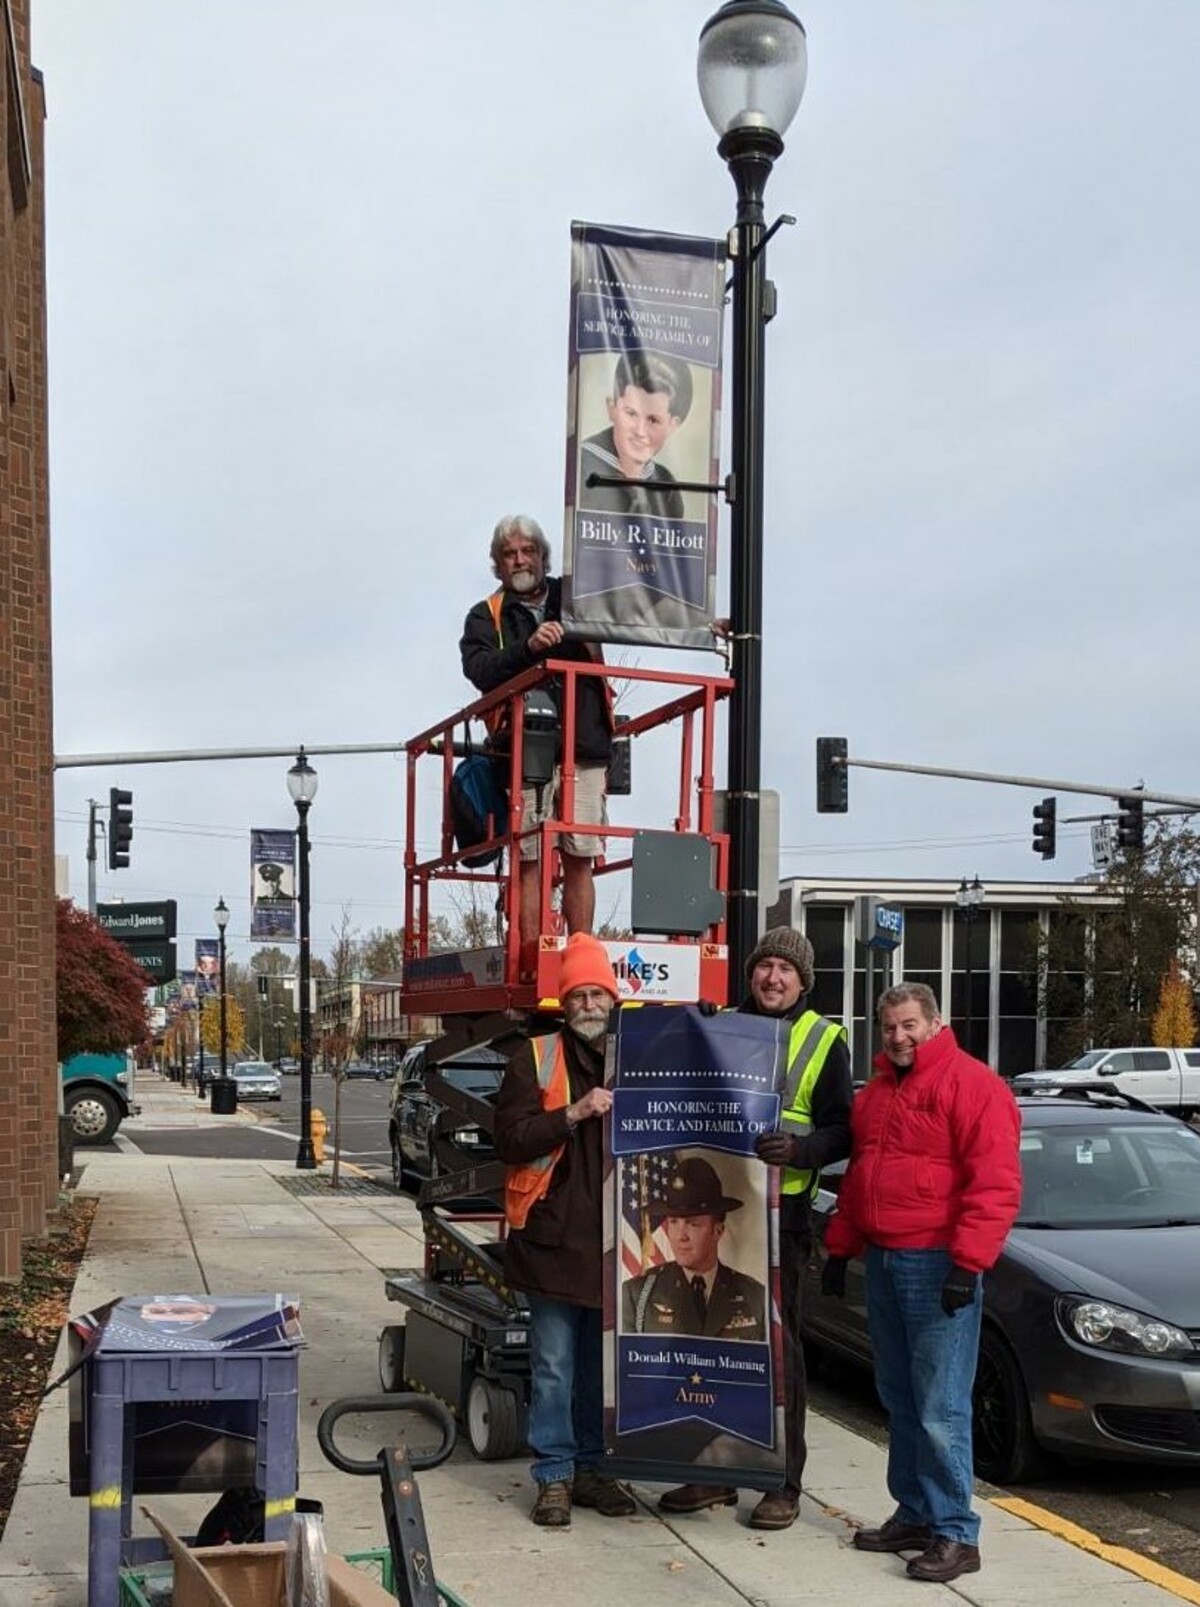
91	855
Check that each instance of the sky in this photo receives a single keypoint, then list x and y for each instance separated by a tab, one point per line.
308	279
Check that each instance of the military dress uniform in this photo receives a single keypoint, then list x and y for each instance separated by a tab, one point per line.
665	1301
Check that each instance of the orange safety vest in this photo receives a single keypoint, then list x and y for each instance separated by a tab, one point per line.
496	719
525	1185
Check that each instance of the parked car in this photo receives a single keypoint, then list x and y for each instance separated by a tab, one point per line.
363	1068
1167	1078
257	1080
414	1113
288	1067
1091	1325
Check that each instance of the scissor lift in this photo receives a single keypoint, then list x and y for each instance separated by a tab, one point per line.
465	1338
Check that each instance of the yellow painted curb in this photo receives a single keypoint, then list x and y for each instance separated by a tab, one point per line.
1153	1572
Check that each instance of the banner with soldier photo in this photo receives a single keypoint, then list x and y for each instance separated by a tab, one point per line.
694	1381
273	885
208	964
643	408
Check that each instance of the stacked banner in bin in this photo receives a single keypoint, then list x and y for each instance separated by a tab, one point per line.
643	407
694	1379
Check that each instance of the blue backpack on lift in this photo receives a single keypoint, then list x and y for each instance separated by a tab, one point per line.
477	792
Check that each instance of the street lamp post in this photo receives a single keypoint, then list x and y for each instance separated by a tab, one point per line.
221	916
751	67
302	786
969	898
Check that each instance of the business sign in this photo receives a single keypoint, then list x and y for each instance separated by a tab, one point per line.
273	885
643	406
157	960
142	923
691	1221
877	924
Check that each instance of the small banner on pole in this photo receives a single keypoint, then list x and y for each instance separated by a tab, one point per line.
643	405
208	963
694	1391
273	885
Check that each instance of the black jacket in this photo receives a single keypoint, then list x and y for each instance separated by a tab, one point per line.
487	665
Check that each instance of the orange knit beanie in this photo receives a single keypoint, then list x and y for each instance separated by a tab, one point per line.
585	964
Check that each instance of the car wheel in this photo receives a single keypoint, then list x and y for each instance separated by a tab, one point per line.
391	1359
1005	1449
95	1115
493	1420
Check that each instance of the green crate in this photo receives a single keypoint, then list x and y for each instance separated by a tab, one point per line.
143	1587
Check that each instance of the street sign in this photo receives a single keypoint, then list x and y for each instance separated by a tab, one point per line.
1103	846
157	960
138	923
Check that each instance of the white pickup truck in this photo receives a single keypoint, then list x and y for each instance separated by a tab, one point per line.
1168	1078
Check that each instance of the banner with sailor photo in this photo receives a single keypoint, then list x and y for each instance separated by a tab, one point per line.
643	431
693	1357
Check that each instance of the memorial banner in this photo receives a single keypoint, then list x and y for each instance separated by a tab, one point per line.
694	1389
208	964
643	406
273	885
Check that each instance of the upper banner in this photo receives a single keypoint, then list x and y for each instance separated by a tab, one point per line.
273	885
694	1392
643	405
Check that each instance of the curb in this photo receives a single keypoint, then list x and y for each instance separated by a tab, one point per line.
1154	1573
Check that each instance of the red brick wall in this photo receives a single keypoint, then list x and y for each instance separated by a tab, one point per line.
28	1076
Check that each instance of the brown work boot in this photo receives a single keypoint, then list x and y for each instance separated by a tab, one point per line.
605	1496
894	1536
552	1509
697	1498
944	1561
778	1509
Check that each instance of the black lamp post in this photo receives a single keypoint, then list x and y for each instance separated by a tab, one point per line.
302	786
969	899
752	65
221	916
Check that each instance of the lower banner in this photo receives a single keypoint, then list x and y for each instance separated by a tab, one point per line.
693	1359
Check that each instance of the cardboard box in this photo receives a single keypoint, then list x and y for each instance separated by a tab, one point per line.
255	1576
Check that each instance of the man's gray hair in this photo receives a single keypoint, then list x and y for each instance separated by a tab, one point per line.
517	524
910	992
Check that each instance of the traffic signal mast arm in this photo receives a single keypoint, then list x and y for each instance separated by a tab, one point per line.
1039	783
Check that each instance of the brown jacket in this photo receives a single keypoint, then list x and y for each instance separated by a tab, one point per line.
557	1252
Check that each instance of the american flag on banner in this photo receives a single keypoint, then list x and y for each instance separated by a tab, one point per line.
644	1183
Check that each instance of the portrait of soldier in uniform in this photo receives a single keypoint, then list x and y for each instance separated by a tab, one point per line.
696	1292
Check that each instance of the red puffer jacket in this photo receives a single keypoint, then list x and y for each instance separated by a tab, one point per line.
935	1160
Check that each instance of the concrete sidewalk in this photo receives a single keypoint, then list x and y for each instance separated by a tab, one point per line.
170	1225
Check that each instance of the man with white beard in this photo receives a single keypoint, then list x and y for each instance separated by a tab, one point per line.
549	1133
505	635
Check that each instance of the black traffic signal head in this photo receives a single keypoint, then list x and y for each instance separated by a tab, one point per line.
1131	824
120	827
833	776
1045	828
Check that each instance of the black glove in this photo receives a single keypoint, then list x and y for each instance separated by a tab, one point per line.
958	1290
706	1007
777	1149
833	1277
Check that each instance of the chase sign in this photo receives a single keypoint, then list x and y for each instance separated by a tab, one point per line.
878	924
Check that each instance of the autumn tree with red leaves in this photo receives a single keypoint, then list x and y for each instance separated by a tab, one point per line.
101	992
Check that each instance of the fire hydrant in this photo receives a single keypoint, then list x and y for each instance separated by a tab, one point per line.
317	1126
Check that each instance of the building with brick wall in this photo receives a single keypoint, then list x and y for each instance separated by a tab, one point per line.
28	1062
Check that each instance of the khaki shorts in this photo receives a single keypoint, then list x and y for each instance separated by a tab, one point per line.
589	809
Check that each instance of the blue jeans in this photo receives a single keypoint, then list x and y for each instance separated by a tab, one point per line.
566	1423
924	1372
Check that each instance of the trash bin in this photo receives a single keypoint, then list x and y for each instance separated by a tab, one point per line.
224	1096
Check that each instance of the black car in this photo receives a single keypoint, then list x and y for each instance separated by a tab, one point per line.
1091	1317
363	1069
415	1112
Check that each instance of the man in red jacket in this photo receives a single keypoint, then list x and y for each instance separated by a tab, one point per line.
933	1186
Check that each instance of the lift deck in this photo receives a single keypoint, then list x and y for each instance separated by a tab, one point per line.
465	1338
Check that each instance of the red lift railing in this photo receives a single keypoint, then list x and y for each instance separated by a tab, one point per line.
503	978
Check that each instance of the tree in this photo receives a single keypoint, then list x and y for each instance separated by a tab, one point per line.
382	951
101	992
210	1025
1175	1018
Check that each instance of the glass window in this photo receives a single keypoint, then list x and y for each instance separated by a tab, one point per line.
826	995
1018	1045
1152	1060
825	928
1018	940
922	940
975	932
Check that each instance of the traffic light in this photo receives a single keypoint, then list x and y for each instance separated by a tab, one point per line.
833	776
120	827
1131	826
264	985
1045	828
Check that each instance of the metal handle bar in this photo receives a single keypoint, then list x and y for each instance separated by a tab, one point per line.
425	1404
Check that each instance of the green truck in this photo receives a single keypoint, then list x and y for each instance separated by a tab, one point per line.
97	1095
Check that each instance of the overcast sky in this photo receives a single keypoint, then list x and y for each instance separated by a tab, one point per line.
308	275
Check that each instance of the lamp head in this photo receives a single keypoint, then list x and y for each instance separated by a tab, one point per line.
752	66
302	780
221	914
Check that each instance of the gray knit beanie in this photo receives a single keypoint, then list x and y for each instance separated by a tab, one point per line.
785	943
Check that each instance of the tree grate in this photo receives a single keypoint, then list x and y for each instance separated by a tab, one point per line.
321	1183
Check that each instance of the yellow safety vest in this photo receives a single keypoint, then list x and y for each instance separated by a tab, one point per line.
525	1185
812	1037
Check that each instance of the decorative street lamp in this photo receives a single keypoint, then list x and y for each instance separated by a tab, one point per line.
752	65
221	916
302	786
969	899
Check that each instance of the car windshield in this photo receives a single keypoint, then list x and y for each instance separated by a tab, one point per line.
483	1080
1120	1175
1086	1062
253	1068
